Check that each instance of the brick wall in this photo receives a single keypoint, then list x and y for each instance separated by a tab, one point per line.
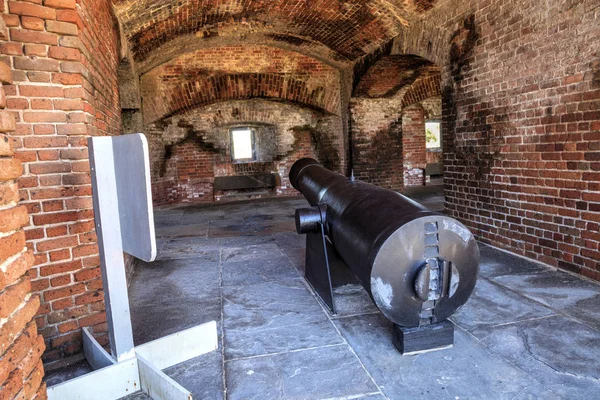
413	145
21	346
64	56
376	139
521	123
190	149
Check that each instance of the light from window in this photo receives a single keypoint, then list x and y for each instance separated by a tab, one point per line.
433	135
242	146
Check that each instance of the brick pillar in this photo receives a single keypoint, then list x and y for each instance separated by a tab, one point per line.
414	146
64	62
21	347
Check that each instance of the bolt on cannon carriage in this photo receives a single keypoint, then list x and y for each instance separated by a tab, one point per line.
418	266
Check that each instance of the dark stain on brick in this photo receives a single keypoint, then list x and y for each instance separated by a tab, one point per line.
595	66
364	64
290	39
486	126
377	158
191	136
424	5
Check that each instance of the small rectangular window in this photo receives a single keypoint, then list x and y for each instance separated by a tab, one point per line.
433	135
242	144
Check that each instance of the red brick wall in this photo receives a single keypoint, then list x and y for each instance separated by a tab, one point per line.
190	149
21	346
521	124
413	145
376	131
64	55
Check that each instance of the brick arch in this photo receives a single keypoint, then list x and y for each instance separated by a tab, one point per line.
423	88
207	90
389	74
238	72
187	44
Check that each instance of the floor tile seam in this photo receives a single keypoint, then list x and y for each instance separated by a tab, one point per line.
519	321
550	268
339	317
563	313
280	327
352	397
327	346
344	339
501	356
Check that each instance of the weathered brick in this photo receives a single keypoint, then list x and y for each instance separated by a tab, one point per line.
63	28
34	10
60	3
7	122
10	168
5	146
14	218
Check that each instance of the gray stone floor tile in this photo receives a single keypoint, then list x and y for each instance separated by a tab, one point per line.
202	376
495	262
230	228
353	299
139	395
257	270
194	230
269	305
243	241
242	343
468	370
171	295
71	371
538	392
560	291
205	248
323	373
290	240
560	353
491	304
250	253
273	227
171	219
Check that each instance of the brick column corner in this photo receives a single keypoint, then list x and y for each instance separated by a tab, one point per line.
21	346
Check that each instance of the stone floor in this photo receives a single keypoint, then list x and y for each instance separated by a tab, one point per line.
528	331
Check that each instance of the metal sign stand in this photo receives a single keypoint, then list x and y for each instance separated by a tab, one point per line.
125	223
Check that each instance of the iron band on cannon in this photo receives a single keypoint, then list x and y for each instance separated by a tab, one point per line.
418	266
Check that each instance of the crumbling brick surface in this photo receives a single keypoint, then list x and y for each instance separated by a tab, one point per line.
21	346
190	149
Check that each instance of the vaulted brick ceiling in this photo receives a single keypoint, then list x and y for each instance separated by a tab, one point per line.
340	30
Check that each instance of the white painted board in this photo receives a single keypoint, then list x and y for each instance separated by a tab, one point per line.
132	173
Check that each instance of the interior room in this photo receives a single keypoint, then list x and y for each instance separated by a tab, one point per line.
379	199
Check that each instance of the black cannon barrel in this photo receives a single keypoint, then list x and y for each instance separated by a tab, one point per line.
418	266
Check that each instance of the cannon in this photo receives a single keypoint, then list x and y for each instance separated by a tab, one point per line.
418	266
